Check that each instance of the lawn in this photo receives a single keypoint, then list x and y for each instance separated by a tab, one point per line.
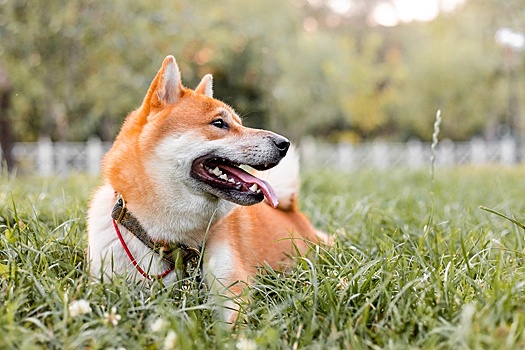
417	265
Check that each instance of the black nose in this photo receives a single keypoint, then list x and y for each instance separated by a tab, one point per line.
282	144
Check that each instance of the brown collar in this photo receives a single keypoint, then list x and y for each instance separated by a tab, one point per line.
190	256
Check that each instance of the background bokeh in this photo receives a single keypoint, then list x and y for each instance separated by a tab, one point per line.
336	70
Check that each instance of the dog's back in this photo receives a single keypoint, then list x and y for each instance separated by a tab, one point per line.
258	235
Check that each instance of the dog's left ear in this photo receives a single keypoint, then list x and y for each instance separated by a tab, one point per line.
166	87
169	86
205	86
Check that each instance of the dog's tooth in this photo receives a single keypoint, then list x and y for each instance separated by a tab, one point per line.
266	165
223	177
231	180
216	171
254	188
258	191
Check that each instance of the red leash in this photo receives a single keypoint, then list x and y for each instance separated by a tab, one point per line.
133	261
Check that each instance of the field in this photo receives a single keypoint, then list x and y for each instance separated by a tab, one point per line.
417	265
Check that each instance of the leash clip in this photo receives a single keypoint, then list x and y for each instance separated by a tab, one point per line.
122	210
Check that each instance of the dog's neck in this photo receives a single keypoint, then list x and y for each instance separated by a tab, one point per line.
172	222
190	256
124	217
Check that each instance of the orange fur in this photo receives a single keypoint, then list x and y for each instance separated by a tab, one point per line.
160	140
262	234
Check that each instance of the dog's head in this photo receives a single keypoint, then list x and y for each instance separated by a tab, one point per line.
185	142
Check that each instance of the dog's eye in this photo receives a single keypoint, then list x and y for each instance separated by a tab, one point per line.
220	123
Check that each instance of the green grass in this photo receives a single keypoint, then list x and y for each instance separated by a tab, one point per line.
415	266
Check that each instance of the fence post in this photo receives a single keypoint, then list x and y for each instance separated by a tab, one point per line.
45	156
415	154
62	157
94	153
345	156
380	155
478	151
446	153
308	151
508	151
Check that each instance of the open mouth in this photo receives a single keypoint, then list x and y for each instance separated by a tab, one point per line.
227	180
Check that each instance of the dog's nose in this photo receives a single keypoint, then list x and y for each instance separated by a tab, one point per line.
282	144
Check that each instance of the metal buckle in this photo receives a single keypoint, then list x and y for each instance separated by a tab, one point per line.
194	250
123	210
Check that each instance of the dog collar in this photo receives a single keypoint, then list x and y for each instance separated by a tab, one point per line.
190	256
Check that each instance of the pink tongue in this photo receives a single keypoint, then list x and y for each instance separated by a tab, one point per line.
265	187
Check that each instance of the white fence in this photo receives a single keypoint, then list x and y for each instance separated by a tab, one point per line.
411	155
59	158
62	158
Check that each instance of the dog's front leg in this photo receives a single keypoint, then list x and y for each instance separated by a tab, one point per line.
226	277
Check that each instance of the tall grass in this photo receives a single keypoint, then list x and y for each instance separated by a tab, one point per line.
389	281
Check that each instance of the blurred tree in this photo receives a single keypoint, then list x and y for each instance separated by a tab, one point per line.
67	64
448	66
79	66
491	16
6	133
297	67
364	81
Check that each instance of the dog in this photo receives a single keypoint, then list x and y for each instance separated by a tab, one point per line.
184	176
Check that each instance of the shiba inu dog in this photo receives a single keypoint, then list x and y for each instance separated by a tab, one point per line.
176	185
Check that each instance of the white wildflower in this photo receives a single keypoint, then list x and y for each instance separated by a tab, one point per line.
158	325
340	232
112	317
79	307
170	342
246	344
343	283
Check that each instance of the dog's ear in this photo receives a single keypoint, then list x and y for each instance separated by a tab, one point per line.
166	87
205	86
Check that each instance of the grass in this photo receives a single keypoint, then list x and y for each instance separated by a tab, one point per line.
417	265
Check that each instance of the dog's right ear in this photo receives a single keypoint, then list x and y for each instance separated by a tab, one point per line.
166	87
205	87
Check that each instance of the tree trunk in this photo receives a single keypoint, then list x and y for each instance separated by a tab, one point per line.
6	133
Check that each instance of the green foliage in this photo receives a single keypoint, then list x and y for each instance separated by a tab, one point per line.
296	67
411	268
454	74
